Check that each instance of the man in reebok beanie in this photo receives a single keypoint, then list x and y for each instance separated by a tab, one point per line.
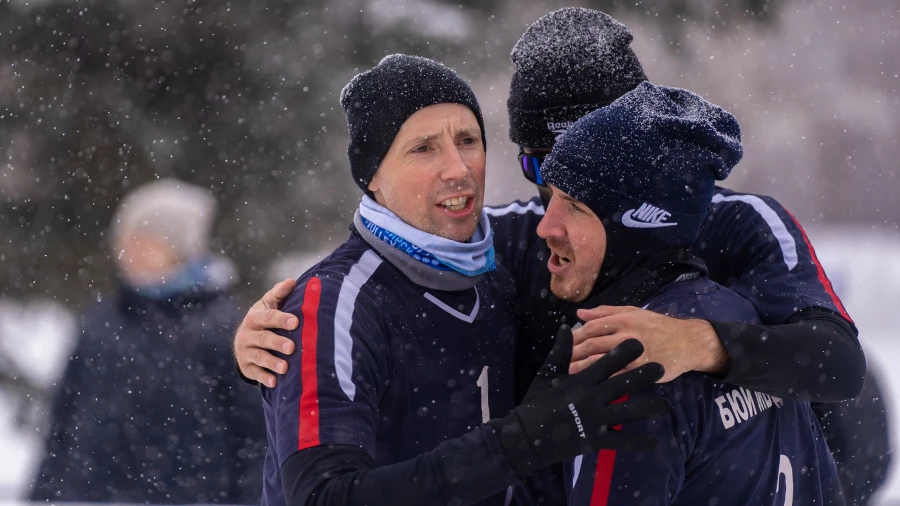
592	65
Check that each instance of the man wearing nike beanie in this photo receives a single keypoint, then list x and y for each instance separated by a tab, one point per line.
635	179
573	60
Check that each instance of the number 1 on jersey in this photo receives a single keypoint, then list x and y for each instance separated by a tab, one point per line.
483	385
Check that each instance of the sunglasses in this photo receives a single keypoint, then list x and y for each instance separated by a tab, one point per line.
531	167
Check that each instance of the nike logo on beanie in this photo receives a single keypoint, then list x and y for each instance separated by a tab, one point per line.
647	216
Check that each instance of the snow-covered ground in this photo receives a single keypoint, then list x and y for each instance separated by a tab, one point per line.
37	336
863	264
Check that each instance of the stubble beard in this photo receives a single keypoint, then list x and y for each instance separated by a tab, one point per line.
432	224
557	286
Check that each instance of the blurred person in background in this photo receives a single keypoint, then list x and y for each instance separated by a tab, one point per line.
149	410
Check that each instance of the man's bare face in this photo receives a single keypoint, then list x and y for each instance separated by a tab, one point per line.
433	174
144	258
577	241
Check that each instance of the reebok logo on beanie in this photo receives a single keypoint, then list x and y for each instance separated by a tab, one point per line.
567	64
559	128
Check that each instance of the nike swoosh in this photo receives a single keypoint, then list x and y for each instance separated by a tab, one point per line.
628	222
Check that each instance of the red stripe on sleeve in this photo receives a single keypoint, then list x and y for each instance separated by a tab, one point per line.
309	398
820	272
606	461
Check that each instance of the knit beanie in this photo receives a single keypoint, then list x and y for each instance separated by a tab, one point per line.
377	103
567	64
647	164
178	213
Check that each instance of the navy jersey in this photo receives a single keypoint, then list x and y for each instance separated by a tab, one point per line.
719	444
386	365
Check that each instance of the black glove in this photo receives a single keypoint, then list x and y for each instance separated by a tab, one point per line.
564	416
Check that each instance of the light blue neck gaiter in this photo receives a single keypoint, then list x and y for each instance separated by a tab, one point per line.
469	258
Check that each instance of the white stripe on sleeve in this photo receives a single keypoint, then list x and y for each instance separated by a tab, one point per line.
516	208
576	469
343	318
784	238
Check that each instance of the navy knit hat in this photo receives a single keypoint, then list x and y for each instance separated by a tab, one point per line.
377	103
648	162
567	64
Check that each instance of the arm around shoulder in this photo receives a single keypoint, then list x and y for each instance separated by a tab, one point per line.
815	356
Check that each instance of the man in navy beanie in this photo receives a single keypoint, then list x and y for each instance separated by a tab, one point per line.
635	179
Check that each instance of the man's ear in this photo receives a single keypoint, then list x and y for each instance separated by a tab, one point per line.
376	190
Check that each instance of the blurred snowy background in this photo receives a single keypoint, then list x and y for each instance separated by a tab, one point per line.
100	96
